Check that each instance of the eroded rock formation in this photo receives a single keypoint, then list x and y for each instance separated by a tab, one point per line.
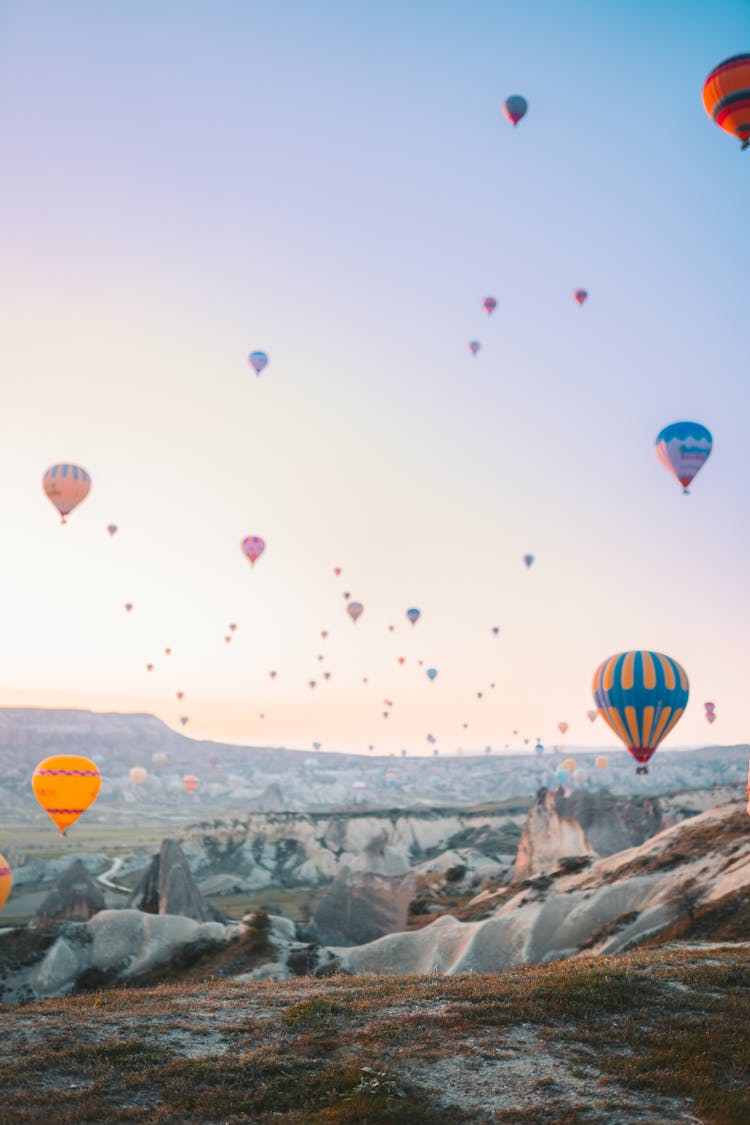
167	887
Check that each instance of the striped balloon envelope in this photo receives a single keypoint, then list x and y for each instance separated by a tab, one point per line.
641	696
683	449
66	486
191	783
65	785
726	96
6	881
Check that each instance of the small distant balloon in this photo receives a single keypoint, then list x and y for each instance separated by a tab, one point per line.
431	673
489	304
128	607
355	610
180	694
580	296
514	108
112	528
474	346
601	762
258	361
159	759
149	667
592	715
138	775
184	720
167	652
528	561
66	486
337	571
562	727
273	673
683	449
232	626
191	783
495	630
253	547
413	615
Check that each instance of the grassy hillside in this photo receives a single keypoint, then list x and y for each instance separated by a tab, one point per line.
652	1036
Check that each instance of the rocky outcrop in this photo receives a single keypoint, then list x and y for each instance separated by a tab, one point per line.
115	946
369	898
589	822
167	887
684	872
75	898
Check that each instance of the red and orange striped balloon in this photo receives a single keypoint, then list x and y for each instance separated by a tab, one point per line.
726	96
6	881
191	783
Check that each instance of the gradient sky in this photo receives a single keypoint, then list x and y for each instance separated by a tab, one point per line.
334	183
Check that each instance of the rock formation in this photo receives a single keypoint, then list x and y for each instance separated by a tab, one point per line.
369	898
75	898
588	822
167	887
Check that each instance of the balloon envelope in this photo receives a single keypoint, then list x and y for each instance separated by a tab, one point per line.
355	610
432	673
489	304
601	762
562	727
66	486
159	759
191	783
413	615
258	361
112	528
726	96
580	296
253	547
528	560
515	107
474	346
683	448
65	785
641	696
138	775
6	881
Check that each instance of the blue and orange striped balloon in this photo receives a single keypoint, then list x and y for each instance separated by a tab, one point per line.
642	696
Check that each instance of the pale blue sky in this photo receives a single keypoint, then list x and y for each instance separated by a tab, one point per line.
335	183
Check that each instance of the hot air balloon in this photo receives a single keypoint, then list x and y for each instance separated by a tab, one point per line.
474	346
568	764
489	304
128	607
337	571
232	626
184	720
312	683
726	96
159	759
66	486
180	694
432	673
528	561
167	652
227	639
191	783
641	696
402	659
324	633
273	673
539	748
258	361
65	785
514	108
683	449
562	727
355	610
580	296
591	716
710	716
112	528
601	762
495	630
253	547
6	881
413	615
710	706
149	667
327	675
138	775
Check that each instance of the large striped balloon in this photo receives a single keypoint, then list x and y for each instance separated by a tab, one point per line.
66	486
726	96
642	696
65	785
6	881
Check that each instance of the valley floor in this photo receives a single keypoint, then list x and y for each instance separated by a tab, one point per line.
654	1036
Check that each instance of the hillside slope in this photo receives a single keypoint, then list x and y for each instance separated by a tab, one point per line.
652	1037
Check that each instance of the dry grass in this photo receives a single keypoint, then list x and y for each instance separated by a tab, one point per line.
666	1030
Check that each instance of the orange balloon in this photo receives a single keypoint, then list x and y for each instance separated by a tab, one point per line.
138	775
65	785
601	762
6	881
191	783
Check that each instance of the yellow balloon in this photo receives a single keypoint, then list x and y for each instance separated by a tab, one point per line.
138	775
602	763
568	764
6	881
65	785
